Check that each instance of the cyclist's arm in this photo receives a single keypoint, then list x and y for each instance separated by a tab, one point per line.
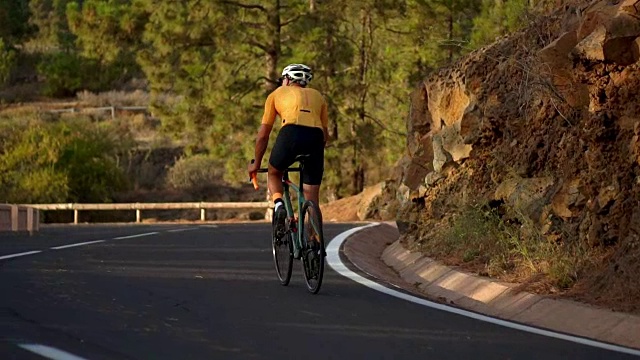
268	118
324	118
270	112
262	140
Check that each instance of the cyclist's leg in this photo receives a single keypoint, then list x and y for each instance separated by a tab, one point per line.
281	157
313	172
275	183
314	166
312	192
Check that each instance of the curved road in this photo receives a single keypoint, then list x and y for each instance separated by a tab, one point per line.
209	292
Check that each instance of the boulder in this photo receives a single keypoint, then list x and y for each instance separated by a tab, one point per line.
568	200
419	163
525	196
419	122
440	156
453	143
608	33
631	7
367	204
622	33
557	53
607	195
592	46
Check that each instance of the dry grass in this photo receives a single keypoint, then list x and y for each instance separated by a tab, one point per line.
479	240
136	97
114	98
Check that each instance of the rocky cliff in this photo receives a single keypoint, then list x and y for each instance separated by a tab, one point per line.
543	129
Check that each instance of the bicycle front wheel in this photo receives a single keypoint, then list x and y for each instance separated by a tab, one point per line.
282	247
313	253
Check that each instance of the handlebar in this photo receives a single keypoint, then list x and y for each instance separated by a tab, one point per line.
254	178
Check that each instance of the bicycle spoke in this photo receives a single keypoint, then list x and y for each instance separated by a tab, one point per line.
282	255
313	242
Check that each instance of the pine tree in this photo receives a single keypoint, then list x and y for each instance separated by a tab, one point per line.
50	21
498	17
14	26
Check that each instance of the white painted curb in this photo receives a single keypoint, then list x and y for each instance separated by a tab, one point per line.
333	259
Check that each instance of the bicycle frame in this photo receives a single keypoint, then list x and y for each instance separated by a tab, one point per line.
294	243
286	195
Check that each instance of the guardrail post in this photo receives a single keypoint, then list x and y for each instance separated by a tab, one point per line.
75	216
14	218
30	221
138	215
268	214
203	214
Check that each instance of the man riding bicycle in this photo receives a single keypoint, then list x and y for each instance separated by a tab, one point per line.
303	114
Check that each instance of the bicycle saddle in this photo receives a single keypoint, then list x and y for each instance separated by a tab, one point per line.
302	157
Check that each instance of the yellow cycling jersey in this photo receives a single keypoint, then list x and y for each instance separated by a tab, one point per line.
296	105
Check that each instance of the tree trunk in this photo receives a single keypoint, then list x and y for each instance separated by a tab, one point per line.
358	180
358	171
273	47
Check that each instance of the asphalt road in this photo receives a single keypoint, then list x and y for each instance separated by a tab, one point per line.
204	292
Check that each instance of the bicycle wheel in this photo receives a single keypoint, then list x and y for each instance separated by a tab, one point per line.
313	253
282	253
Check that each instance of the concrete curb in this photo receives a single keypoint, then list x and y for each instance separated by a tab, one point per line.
500	300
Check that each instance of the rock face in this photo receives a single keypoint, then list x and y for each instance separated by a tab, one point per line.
545	122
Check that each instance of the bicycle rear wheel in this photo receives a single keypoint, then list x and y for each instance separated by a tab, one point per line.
282	253
313	253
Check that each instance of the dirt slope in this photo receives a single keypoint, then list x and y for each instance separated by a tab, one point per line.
543	129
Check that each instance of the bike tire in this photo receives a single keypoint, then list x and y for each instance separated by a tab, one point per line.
282	254
313	260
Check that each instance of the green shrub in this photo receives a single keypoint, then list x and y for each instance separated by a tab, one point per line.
63	73
195	173
7	61
71	161
88	159
67	73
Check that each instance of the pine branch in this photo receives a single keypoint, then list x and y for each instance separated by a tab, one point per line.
383	126
399	32
252	25
258	45
245	6
285	23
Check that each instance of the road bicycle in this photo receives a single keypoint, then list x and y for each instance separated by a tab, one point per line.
301	238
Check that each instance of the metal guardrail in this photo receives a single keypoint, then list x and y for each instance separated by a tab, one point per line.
111	109
138	207
19	218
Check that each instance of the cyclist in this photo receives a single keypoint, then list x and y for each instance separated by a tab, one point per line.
303	114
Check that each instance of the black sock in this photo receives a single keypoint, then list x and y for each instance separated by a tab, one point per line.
275	203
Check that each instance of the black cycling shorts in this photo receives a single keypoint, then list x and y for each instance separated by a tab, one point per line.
294	140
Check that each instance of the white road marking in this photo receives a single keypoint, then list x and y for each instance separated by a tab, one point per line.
3	257
209	226
135	236
20	254
77	244
50	352
180	230
333	259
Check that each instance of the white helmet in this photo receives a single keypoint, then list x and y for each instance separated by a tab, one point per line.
299	73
